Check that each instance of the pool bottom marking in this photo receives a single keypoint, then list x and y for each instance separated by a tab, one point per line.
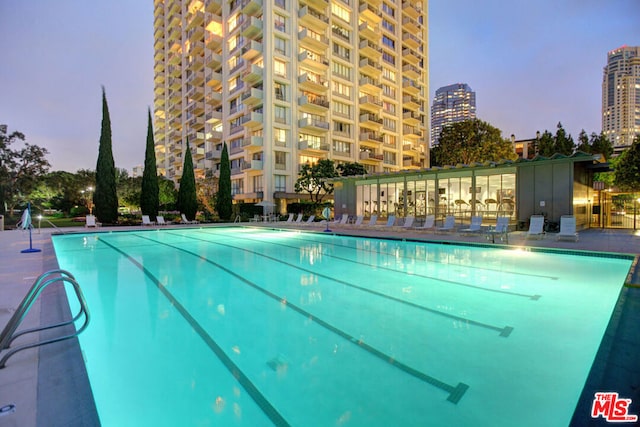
235	371
503	332
455	392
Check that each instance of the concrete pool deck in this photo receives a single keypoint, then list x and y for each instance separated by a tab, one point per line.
48	385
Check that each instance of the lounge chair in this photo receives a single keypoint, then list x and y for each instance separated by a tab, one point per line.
501	229
256	218
91	221
536	227
567	228
358	222
449	224
290	218
372	221
160	220
391	219
342	221
309	220
147	221
298	219
429	223
475	227
407	224
184	220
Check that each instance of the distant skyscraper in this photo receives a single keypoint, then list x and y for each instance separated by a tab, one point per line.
453	103
621	97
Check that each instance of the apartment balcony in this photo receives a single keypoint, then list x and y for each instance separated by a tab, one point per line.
251	7
411	71
370	139
315	126
214	136
174	70
312	60
252	119
410	40
370	67
252	165
196	108
411	56
159	43
159	89
158	101
195	78
371	121
411	118
213	117
197	153
213	78
318	4
174	34
313	40
370	156
313	84
253	143
316	146
411	25
213	60
411	132
411	164
370	49
175	98
175	59
311	18
213	42
252	28
370	86
412	149
253	74
175	83
410	87
213	155
370	13
253	97
195	63
411	102
251	50
213	98
174	8
370	103
410	8
213	6
195	19
158	66
313	104
370	31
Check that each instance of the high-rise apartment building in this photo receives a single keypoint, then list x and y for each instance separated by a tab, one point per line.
286	82
621	97
453	103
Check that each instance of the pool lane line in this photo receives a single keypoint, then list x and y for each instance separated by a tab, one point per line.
380	267
264	404
455	392
503	332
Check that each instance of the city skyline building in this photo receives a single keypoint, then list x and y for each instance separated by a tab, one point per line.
451	104
287	82
621	97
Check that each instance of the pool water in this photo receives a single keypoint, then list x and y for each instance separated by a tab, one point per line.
243	326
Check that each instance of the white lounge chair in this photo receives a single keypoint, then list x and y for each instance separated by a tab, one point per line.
391	220
160	220
475	227
91	221
299	219
372	221
449	223
309	220
147	221
407	224
429	223
342	221
184	220
501	229
359	220
290	218
567	228
536	227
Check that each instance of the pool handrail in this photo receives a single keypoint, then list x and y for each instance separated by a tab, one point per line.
9	334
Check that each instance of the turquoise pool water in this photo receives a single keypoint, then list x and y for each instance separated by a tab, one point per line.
252	327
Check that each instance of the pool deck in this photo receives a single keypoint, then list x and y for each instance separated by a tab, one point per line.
31	377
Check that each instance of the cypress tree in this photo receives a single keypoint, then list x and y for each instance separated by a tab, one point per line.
187	199
149	197
224	200
105	197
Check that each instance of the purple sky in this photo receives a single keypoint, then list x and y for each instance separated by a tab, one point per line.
531	64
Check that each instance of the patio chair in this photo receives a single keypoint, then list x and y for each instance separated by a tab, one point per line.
309	220
160	220
501	229
475	227
147	221
91	221
567	228
429	224
290	218
373	220
536	227
358	223
449	224
391	219
342	221
407	224
184	220
298	219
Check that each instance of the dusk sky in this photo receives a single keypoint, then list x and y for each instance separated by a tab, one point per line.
531	64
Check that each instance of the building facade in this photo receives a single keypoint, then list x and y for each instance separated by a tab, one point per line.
453	103
621	97
286	82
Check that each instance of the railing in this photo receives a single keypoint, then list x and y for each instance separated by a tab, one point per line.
9	333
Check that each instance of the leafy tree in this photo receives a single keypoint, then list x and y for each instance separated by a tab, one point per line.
471	141
64	190
600	144
130	192
546	145
224	200
149	196
313	179
167	193
187	198
563	143
105	197
627	173
351	169
19	169
583	142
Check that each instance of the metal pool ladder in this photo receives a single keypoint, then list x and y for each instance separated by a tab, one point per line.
9	333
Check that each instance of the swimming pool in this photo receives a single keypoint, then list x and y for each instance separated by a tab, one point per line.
243	326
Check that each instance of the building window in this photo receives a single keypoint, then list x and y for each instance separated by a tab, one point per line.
237	186
388	25
389	107
257	183
388	58
280	183
389	74
280	114
389	124
281	160
280	137
341	147
280	68
341	70
234	21
280	23
341	12
388	91
388	42
342	109
280	45
342	51
280	91
341	89
388	10
342	128
341	32
389	157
